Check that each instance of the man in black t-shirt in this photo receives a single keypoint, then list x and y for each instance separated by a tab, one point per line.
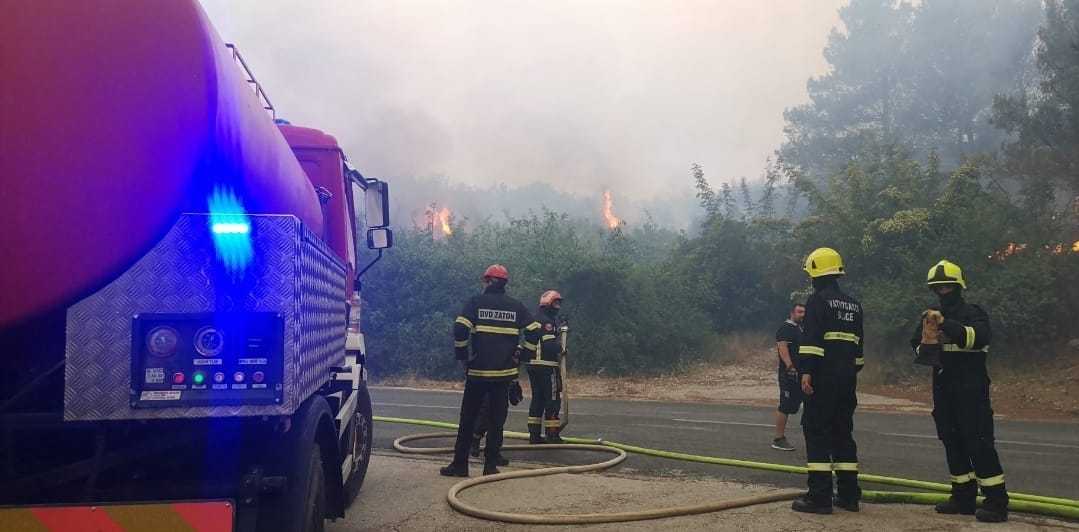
788	338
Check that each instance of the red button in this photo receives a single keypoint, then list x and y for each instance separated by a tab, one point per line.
177	378
219	377
238	376
258	376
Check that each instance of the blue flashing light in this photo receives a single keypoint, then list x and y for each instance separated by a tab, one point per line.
230	228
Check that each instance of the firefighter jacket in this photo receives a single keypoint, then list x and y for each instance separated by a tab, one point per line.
966	339
491	324
549	347
832	341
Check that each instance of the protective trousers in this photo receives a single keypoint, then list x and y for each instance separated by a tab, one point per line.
964	422
482	420
497	394
546	400
828	426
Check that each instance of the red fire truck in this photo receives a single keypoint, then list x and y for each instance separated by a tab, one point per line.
180	283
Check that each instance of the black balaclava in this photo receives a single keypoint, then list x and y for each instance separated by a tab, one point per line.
550	311
826	281
498	286
951	300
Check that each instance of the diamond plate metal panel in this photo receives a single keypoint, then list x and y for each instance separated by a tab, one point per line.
322	313
292	273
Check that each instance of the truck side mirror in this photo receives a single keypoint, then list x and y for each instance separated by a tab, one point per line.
379	238
377	213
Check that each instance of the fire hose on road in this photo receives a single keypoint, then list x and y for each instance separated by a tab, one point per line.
1020	502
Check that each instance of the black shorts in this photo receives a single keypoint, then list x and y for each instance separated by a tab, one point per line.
790	394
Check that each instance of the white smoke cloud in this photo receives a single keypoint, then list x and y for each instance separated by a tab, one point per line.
579	94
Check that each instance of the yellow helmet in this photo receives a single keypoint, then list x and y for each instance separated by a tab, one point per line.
945	272
824	261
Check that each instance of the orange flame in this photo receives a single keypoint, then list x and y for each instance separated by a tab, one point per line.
612	221
1053	249
444	220
1011	249
439	218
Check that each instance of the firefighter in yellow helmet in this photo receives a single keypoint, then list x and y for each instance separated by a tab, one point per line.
954	339
831	356
543	374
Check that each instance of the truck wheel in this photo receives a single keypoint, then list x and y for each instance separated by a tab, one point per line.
297	456
314	511
361	434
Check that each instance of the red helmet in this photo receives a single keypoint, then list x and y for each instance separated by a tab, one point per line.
496	271
549	297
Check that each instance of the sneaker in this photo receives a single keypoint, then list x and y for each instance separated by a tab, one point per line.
782	444
454	470
986	515
805	505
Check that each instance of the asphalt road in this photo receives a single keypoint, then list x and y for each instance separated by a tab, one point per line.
1039	457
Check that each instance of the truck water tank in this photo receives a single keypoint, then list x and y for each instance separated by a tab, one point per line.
118	115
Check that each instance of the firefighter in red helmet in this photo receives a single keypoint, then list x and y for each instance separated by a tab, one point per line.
485	335
543	374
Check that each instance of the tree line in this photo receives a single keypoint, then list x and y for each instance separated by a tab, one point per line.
945	129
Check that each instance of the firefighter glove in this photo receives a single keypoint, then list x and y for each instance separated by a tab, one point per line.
516	395
953	331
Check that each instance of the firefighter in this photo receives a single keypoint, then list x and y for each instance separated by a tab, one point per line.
544	376
958	333
830	359
491	324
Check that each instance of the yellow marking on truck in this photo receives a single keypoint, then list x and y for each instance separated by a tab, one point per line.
209	516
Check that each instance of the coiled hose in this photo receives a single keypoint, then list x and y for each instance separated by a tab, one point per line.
1019	502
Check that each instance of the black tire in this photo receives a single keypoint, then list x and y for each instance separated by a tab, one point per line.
301	507
314	510
359	442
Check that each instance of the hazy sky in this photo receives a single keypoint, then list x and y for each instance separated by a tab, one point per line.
583	94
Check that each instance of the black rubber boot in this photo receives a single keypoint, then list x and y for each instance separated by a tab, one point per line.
474	449
454	470
490	469
986	515
805	505
995	506
962	500
849	504
534	435
953	507
553	437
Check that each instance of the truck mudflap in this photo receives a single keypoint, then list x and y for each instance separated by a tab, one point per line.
202	516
